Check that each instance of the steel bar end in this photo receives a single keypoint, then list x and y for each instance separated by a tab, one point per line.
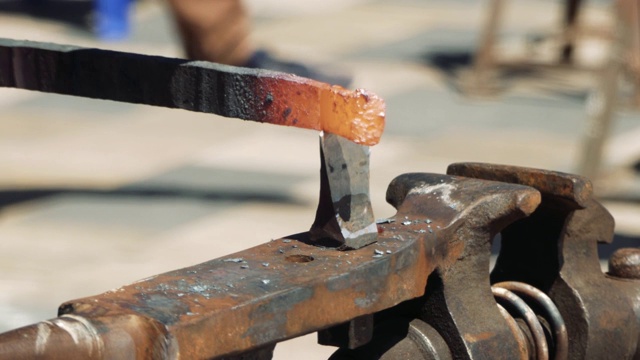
344	216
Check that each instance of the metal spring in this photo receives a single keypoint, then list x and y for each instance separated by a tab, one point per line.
518	297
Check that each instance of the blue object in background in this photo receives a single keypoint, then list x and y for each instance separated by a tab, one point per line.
112	19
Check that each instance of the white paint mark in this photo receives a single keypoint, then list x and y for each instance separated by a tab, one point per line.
44	330
81	331
372	228
444	189
145	279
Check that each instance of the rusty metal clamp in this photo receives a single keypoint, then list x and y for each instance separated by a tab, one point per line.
555	250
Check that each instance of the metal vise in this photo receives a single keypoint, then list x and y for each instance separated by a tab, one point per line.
423	290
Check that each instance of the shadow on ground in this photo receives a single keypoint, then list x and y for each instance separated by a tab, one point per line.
604	250
17	196
457	66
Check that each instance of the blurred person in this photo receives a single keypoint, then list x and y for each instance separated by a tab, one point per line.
218	31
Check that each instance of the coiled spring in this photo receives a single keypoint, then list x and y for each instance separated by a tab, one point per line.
517	300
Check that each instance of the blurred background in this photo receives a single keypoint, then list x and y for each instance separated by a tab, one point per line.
97	194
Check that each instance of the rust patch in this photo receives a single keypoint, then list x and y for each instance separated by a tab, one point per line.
472	338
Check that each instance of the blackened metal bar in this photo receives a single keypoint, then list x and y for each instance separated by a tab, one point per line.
248	94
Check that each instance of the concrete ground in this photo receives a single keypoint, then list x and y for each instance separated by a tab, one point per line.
97	194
